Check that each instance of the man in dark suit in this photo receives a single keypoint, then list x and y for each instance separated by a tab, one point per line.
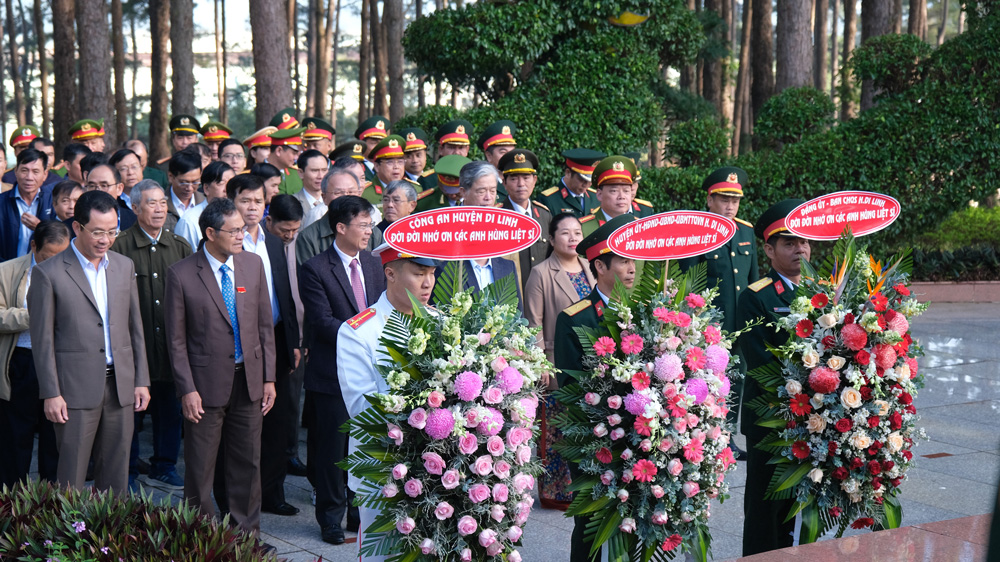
91	364
334	286
220	339
22	207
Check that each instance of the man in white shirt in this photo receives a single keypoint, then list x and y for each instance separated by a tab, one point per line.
313	166
214	178
184	174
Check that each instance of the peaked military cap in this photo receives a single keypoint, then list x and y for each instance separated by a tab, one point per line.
772	221
375	126
726	181
353	148
87	129
448	169
287	137
260	138
614	168
583	160
181	124
519	161
23	135
389	147
596	244
216	131
415	137
456	131
285	119
317	128
388	254
498	134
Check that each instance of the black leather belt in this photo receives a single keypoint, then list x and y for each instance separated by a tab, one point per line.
240	368
110	371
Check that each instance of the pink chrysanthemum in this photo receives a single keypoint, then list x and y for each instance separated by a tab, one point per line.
644	470
712	334
491	424
897	322
854	336
694	300
632	343
824	380
510	380
604	346
716	359
635	403
725	386
697	388
695	359
468	385
668	367
440	422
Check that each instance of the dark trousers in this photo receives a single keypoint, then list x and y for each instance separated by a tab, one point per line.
165	411
20	418
764	528
326	446
295	410
274	436
238	424
579	549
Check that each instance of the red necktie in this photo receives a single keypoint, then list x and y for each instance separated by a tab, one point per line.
359	289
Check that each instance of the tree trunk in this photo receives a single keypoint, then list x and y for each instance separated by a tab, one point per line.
134	101
960	28
43	67
63	70
819	43
761	56
421	79
293	37
794	45
897	16
833	51
224	116
118	44
314	44
27	64
15	66
182	56
220	83
394	40
159	29
364	62
380	60
334	68
95	63
270	59
741	97
876	20
916	24
847	109
3	93
944	22
712	67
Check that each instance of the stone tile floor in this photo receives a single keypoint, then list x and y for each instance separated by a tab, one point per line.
955	477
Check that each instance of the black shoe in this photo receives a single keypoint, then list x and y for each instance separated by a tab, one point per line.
353	519
142	466
333	535
268	548
283	508
296	467
738	454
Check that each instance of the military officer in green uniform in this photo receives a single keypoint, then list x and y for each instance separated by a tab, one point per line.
640	208
733	267
213	133
371	131
574	193
497	140
415	158
285	119
318	135
764	526
519	169
447	193
390	165
90	133
184	130
606	267
613	182
353	148
453	138
286	144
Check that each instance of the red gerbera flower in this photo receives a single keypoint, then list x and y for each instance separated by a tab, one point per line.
801	449
671	542
640	380
799	404
819	300
901	289
862	523
643	426
835	511
804	328
880	302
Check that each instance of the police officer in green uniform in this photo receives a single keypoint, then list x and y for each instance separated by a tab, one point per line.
352	147
447	193
613	182
213	133
318	135
184	130
285	119
415	157
640	208
764	526
574	193
286	144
390	165
497	140
606	267
371	131
519	169
733	267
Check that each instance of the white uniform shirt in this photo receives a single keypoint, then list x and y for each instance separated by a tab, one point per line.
187	226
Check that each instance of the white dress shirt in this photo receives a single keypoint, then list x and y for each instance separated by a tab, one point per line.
97	277
260	248
187	226
483	273
182	209
346	260
215	265
24	338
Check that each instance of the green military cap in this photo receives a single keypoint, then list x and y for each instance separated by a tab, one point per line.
456	131
353	148
375	126
215	131
415	137
23	135
519	161
772	221
596	244
617	169
317	128
498	134
448	169
726	181
285	119
583	160
287	137
389	147
181	124
87	129
634	156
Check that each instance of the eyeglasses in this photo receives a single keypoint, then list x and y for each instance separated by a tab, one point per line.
132	168
366	227
99	234
102	186
194	184
236	231
235	157
394	200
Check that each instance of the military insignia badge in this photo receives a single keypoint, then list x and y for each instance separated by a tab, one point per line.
460	129
618	166
519	158
733	178
410	137
213	129
25	132
185	121
506	130
358	148
393	143
380	125
310	125
85	127
286	118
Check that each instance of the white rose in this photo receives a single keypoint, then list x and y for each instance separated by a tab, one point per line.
793	388
836	362
850	398
817	400
895	442
828	320
816	424
860	440
810	359
816	475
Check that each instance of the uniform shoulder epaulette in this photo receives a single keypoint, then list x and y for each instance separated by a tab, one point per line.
412	182
162	160
360	318
743	222
592	190
537	204
427	173
756	286
587	218
643	202
594	210
244	172
366	185
426	193
575	308
550	191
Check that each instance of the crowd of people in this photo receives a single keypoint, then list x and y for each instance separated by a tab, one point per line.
204	292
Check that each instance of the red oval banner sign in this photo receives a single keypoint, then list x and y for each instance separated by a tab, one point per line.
463	233
826	217
673	235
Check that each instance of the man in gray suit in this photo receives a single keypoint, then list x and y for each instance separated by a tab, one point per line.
91	364
220	339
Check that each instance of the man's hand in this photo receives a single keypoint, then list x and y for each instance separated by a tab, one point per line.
141	398
268	402
29	220
191	407
55	410
298	357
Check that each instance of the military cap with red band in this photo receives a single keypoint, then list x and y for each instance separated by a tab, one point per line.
87	129
389	147
285	119
726	181
316	128
454	132
287	137
772	221
416	139
388	254
583	160
596	244
23	135
214	131
260	138
498	134
448	169
375	126
614	169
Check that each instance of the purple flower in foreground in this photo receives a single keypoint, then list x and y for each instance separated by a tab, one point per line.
79	526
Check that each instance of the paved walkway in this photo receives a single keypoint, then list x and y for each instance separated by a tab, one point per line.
955	476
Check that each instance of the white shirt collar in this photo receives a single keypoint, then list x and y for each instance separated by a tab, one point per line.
84	262
343	256
216	264
519	208
151	239
602	295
